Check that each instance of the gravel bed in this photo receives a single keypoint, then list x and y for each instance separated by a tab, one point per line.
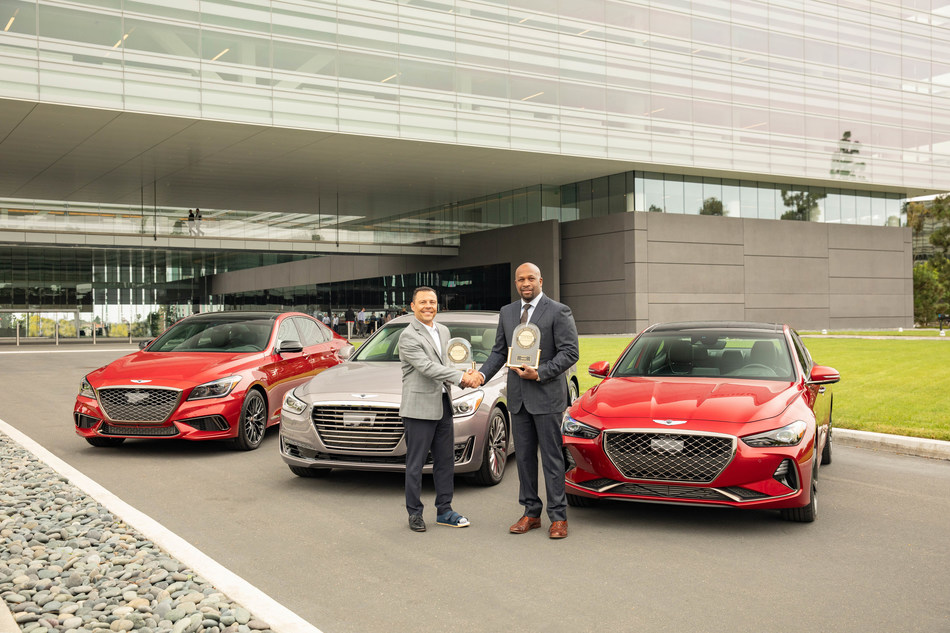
67	565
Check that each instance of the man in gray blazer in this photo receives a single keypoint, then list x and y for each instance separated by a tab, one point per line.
426	409
538	397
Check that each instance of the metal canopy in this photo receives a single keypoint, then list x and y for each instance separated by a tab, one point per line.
55	152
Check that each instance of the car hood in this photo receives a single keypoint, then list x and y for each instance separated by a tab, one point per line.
368	382
688	399
173	369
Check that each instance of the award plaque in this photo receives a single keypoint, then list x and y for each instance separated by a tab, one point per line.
459	352
526	346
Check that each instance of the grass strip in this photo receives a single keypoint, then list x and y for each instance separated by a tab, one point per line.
892	386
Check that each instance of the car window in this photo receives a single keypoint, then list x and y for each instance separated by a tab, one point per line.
310	332
287	332
804	357
384	345
214	335
480	337
735	354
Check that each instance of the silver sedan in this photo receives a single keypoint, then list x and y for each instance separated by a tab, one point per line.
347	417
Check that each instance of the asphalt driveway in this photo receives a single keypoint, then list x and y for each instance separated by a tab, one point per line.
337	551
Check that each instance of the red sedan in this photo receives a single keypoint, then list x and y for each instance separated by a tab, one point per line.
724	414
219	375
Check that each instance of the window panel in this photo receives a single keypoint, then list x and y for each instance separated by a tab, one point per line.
182	10
18	16
673	200
312	24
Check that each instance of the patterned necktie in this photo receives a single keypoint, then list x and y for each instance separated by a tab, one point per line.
524	314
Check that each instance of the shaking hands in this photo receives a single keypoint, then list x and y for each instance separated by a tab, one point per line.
471	379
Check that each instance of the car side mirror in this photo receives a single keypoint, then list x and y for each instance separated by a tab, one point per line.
345	352
600	369
289	346
821	375
144	344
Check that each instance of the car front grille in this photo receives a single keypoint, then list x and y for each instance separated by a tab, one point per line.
138	404
358	428
138	431
681	457
671	491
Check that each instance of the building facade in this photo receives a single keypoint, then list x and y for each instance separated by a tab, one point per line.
381	129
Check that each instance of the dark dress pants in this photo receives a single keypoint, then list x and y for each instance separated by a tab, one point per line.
532	432
437	436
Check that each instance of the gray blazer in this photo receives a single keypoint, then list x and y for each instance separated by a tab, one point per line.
424	371
559	350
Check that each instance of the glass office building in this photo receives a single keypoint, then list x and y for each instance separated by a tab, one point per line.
806	110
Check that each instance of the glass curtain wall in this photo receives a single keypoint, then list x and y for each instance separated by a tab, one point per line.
809	89
476	288
115	291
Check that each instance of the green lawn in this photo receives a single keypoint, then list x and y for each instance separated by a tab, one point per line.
887	386
925	332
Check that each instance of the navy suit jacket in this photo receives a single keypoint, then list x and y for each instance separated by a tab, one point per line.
559	351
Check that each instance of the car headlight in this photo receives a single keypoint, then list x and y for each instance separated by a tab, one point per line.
573	428
293	404
788	435
467	404
86	390
214	389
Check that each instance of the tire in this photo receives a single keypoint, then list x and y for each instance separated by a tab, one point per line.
311	473
253	422
573	392
495	454
805	514
105	441
576	501
826	451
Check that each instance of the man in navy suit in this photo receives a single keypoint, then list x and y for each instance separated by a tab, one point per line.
538	397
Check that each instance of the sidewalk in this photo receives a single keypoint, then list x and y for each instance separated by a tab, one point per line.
900	444
7	623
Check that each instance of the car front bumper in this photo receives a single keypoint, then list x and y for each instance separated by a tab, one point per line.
302	446
209	419
772	478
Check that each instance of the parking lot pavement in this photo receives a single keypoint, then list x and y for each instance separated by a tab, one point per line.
363	571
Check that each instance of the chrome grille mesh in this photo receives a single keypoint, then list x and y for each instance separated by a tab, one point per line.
138	431
358	428
138	404
697	458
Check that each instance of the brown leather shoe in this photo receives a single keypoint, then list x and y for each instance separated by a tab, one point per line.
524	524
558	529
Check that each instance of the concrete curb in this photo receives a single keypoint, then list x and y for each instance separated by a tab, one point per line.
903	445
7	623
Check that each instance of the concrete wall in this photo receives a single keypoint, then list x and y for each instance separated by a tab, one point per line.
623	272
620	273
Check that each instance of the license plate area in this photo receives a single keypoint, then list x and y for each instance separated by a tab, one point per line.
667	444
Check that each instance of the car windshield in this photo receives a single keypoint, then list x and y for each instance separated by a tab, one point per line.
708	353
384	345
215	335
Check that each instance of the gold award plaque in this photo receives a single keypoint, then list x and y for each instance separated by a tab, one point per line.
526	350
459	351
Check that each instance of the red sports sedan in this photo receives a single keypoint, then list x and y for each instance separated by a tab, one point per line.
219	375
725	414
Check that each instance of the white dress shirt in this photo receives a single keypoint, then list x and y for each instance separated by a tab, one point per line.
533	304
